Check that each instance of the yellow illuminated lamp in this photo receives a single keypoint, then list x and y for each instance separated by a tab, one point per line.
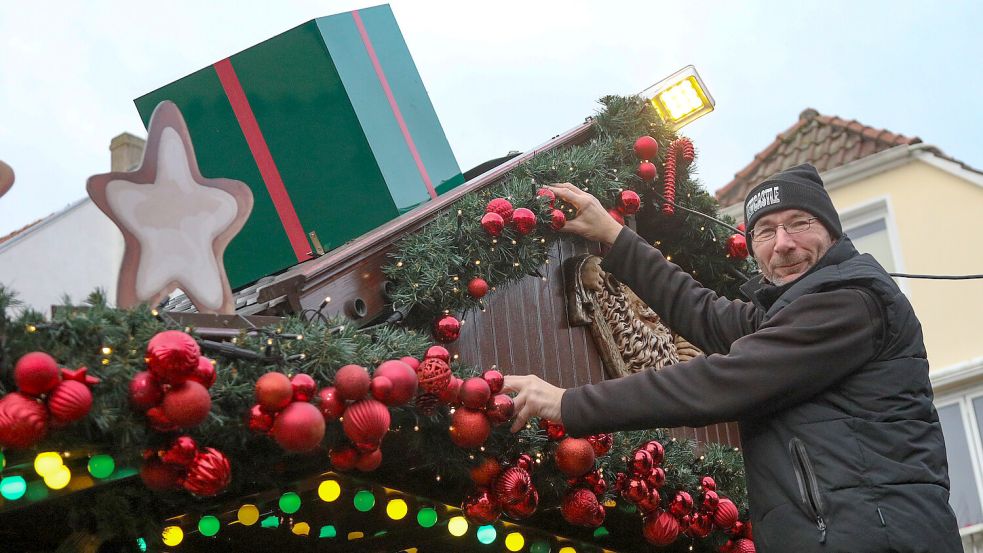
47	462
329	490
248	514
58	478
396	509
568	550
457	526
680	98
172	535
301	529
514	541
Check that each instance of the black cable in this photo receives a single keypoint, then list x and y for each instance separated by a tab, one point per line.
938	277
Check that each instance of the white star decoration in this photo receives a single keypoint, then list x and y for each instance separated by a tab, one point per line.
175	223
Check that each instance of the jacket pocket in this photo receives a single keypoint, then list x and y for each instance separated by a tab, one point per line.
808	485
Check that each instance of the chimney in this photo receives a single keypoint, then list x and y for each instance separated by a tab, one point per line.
126	152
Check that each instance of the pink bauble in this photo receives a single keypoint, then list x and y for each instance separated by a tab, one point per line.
647	171
439	352
303	386
23	421
204	373
475	393
145	392
36	373
381	388
413	362
469	428
558	219
403	379
548	194
500	409
274	391
186	404
69	402
493	224
352	382
172	356
299	427
366	423
524	220
331	404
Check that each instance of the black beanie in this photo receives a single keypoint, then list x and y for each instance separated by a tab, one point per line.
797	187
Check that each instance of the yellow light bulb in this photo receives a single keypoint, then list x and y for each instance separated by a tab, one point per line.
301	529
396	509
457	526
514	541
106	350
248	514
47	462
568	550
329	490
58	478
172	535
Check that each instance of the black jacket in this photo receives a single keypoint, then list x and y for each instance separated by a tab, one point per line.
828	379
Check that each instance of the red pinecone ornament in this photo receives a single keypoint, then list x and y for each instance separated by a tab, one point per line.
469	428
480	507
629	202
478	287
23	421
493	223
447	329
574	457
69	402
36	373
646	148
172	356
524	220
502	208
660	528
434	375
208	474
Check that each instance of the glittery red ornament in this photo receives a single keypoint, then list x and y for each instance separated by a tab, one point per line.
635	490
259	420
413	362
145	392
182	451
646	148
186	404
426	404
524	220
493	224
558	219
656	478
478	287
495	380
403	378
299	427
525	508
574	456
303	386
548	194
158	476
737	246
23	421
447	328
469	428
439	352
366	423
36	373
617	216
647	171
449	395
343	458
682	504
726	513
204	372
641	462
501	207
369	461
500	409
208	474
580	507
434	375
159	421
475	393
480	507
554	431
274	391
656	450
69	402
661	528
485	473
330	404
710	501
744	546
172	356
700	526
512	486
601	443
629	202
351	382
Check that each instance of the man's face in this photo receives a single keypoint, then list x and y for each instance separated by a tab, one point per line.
786	257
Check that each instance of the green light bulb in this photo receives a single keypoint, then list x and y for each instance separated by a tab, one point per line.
364	500
101	466
290	503
487	534
539	547
328	531
209	526
13	487
427	517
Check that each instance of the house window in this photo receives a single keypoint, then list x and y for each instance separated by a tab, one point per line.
962	422
868	226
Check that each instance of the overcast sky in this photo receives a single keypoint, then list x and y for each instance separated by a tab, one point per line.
504	75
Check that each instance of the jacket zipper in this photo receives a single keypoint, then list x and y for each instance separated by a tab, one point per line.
808	486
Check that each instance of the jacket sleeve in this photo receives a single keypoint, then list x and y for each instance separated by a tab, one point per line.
809	346
710	322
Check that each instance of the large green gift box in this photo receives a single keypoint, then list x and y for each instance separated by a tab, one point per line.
330	126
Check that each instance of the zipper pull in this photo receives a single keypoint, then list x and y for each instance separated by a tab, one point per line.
821	524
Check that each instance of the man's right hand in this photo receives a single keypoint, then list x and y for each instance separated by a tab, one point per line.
592	221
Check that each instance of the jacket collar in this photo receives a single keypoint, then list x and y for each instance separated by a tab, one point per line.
764	294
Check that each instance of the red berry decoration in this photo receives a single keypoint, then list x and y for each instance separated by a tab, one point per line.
477	288
647	171
558	219
493	223
500	409
650	503
331	404
646	148
574	457
23	421
439	352
524	220
469	428
303	386
601	443
208	474
299	427
475	393
629	202
548	194
366	423
69	402
726	514
36	373
447	329
259	420
352	382
480	507
737	246
172	356
635	490
484	474
660	528
204	372
187	404
502	208
145	392
344	458
403	379
274	391
434	375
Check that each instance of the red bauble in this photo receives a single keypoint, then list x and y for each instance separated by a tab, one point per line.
660	528
172	356
352	382
646	148
554	431
744	546
708	483
69	402
403	378
641	462
381	388
726	514
366	423
525	508
700	526
574	457
601	443
480	507
500	409
512	486
449	395
524	461
629	202
469	428
478	287
158	476
367	462
647	171
186	404
182	452
475	393
331	404
617	216
502	207
548	194
524	220
656	478
447	329
204	372
485	473
23	421
710	501
159	421
344	458
413	362
558	219
580	507
274	391
36	373
259	420
299	427
145	392
439	352
737	246
495	380
635	490
649	503
682	504
208	474
434	375
303	386
493	224
656	450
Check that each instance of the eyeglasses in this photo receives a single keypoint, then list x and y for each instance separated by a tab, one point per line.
795	227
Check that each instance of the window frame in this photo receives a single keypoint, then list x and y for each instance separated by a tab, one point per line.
872	210
963	398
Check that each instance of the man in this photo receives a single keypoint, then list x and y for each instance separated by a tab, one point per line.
825	370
